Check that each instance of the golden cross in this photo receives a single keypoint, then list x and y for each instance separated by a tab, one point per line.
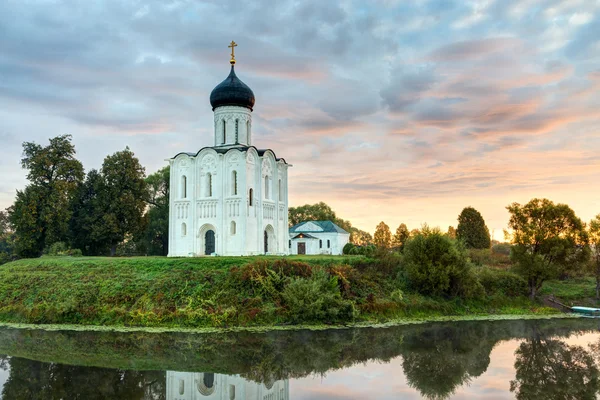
232	46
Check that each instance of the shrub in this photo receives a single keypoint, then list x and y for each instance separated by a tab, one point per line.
500	281
57	249
317	299
501	248
437	265
348	248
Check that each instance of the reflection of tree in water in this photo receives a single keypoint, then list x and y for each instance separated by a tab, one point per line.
34	380
551	369
437	361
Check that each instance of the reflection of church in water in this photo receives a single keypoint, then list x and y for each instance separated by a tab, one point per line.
200	386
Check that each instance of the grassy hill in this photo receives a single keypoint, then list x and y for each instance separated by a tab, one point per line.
224	292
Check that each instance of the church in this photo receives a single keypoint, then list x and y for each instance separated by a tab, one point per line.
229	199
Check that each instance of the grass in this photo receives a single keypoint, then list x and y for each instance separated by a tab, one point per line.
574	291
225	292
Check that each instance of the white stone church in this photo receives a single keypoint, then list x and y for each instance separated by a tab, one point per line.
229	199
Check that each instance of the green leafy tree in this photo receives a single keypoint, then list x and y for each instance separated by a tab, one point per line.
360	238
437	265
86	225
6	238
41	212
547	238
551	369
383	236
472	229
400	237
156	235
123	196
594	237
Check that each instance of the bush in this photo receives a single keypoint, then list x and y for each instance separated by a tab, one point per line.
437	265
348	248
502	248
61	249
317	299
496	281
486	257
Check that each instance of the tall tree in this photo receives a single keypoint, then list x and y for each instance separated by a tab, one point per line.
360	237
86	225
6	238
594	237
123	194
41	212
451	232
383	236
156	235
400	237
548	238
472	229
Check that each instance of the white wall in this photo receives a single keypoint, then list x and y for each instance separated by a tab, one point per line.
337	242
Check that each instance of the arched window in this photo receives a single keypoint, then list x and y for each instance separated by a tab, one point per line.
248	131
237	123
280	192
224	130
250	197
231	392
320	244
234	183
183	187
181	386
209	185
183	229
233	227
266	187
290	244
328	244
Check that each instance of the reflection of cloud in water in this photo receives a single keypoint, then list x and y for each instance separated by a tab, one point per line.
210	386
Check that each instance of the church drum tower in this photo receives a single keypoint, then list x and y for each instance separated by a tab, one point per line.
232	198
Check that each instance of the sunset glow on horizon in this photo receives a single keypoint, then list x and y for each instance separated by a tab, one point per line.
402	112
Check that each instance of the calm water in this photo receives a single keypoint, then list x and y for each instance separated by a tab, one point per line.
551	359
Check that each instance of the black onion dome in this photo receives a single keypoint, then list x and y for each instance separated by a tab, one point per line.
232	92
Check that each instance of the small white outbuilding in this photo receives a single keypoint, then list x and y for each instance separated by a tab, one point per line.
317	237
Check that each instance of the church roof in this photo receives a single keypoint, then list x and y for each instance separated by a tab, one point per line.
316	226
225	149
232	92
304	236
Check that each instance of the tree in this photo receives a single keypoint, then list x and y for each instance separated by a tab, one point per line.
472	229
6	238
552	369
383	236
86	225
594	237
451	232
437	265
548	239
360	238
400	237
123	197
156	235
41	212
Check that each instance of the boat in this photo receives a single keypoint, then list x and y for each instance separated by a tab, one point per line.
586	311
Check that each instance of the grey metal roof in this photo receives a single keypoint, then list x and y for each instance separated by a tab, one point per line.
327	226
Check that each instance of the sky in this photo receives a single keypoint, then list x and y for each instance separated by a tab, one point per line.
401	111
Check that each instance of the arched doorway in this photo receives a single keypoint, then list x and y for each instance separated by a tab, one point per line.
269	240
209	242
266	242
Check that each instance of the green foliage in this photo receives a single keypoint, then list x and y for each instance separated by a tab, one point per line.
41	212
347	248
486	257
317	299
436	265
502	248
156	236
548	239
472	229
497	281
400	237
123	196
594	237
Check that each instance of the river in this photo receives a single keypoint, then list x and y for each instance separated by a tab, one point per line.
526	359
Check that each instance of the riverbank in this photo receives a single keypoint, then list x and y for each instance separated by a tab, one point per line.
230	292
